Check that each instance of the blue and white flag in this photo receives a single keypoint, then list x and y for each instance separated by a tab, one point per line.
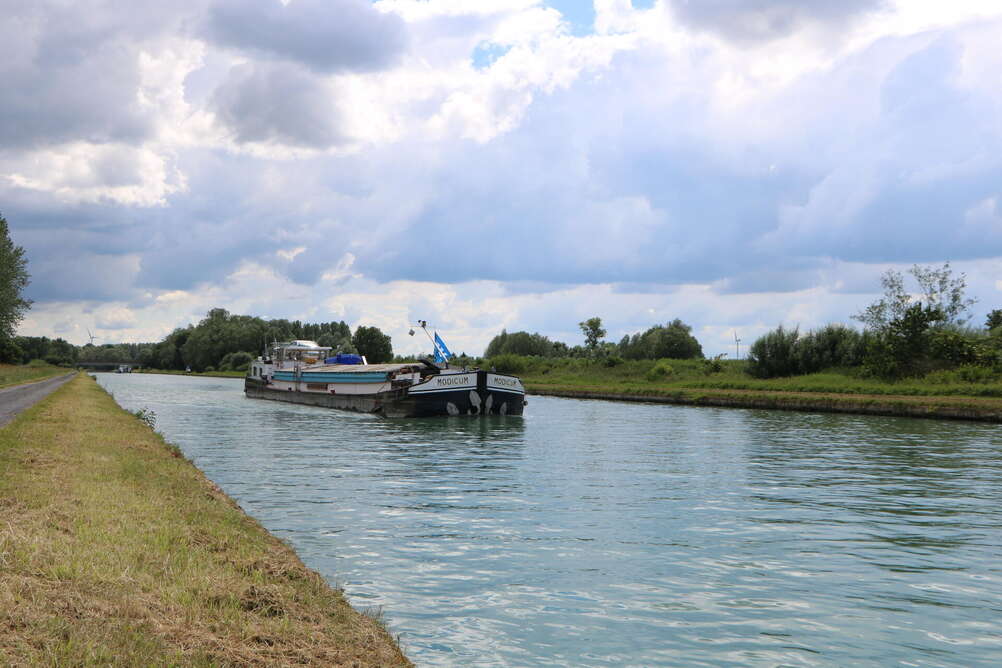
442	353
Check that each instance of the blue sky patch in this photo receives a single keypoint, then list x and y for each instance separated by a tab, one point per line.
487	53
580	14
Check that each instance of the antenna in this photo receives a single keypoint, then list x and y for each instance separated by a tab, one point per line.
737	345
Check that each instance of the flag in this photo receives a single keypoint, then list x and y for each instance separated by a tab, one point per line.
442	353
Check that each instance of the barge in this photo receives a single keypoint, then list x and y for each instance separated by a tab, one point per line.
302	372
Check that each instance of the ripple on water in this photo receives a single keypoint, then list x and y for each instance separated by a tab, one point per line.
599	534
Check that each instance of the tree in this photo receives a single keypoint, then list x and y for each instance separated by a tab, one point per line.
593	332
941	290
994	319
373	344
674	341
902	348
519	343
13	279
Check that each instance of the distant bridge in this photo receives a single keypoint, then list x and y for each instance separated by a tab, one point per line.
102	366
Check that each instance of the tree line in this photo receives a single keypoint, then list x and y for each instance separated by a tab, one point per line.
672	340
219	342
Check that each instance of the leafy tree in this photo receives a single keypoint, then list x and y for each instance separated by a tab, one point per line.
373	344
520	343
672	341
13	279
774	354
902	348
593	332
994	319
941	290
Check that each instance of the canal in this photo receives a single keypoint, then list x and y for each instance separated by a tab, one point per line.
592	533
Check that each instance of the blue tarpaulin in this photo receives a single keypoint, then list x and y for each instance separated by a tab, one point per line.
344	358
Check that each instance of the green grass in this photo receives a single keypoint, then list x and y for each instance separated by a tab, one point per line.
692	374
943	394
17	375
115	550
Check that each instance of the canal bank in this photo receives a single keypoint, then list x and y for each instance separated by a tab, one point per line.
987	409
115	549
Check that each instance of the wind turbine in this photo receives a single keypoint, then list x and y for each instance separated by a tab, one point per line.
92	337
737	345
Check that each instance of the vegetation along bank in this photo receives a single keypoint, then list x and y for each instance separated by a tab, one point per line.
116	550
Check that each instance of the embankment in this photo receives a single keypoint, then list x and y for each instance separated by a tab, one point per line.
949	407
115	550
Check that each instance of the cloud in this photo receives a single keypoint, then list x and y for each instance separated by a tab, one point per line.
643	171
71	72
277	103
325	35
764	20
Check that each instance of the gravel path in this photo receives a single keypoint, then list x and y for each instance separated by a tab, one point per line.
15	399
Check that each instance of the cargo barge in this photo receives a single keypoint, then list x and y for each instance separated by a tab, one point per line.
302	372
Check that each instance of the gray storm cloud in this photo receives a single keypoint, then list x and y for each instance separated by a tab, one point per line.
887	157
762	20
277	102
327	36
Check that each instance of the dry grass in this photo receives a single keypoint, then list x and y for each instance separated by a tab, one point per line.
11	374
114	550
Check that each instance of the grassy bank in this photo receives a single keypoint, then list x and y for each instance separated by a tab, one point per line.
115	550
17	374
697	382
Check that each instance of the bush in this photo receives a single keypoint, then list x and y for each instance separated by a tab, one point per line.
774	354
971	373
36	363
238	361
661	370
513	364
613	360
10	352
147	416
714	364
829	347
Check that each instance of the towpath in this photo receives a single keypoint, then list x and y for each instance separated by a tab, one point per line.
15	399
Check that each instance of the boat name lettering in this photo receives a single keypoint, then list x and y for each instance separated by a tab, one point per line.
509	382
460	380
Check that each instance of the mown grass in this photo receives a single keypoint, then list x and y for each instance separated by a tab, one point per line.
115	550
18	374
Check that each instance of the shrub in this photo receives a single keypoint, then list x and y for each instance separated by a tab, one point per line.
613	360
37	363
10	352
774	354
831	346
513	364
147	416
971	373
713	364
238	361
661	370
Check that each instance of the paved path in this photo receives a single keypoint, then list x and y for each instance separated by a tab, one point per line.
15	399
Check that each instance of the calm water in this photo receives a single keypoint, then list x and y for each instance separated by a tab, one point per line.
595	533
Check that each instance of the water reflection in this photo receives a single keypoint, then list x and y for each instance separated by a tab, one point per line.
594	533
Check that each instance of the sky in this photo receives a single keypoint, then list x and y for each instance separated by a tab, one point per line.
490	164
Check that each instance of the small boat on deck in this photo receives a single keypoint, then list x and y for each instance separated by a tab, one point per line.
302	372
